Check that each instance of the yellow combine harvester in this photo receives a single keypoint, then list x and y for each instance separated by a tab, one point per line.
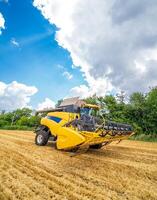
74	126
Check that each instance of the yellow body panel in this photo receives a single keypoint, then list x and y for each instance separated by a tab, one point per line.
52	125
66	136
64	115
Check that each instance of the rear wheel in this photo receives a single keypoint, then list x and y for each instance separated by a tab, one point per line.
96	146
41	138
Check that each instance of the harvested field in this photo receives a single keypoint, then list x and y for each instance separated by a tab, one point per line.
29	172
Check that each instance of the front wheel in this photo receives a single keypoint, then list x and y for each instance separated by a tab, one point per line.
41	138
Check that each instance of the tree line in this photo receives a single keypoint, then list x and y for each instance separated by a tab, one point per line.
21	119
139	110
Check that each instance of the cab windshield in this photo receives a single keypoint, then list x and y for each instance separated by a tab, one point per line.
88	111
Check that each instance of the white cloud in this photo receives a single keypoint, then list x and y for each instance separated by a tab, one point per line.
81	91
68	75
110	40
2	23
65	73
100	87
15	95
14	42
46	104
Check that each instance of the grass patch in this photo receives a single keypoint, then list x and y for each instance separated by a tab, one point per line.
144	137
15	127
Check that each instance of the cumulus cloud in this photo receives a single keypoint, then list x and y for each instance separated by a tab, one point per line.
2	22
113	42
65	73
81	91
46	104
15	95
99	86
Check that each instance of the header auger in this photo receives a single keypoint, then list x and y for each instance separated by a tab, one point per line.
74	126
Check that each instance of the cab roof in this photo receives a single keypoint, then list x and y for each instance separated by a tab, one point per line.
91	106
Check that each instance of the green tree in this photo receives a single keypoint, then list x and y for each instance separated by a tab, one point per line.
19	113
92	100
138	110
3	122
137	99
59	103
34	121
23	121
151	111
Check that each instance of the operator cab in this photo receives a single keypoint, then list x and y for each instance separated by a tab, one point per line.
88	113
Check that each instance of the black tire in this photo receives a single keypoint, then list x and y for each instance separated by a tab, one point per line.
96	146
41	138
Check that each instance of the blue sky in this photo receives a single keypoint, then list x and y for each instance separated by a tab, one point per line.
113	43
38	60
